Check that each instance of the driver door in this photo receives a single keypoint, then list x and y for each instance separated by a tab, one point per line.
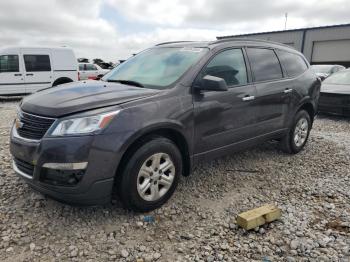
225	118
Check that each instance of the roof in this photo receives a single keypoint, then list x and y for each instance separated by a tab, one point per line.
286	31
13	48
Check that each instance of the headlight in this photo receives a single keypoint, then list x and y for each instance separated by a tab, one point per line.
83	125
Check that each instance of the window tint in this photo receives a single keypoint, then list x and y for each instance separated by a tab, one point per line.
81	67
294	64
228	65
90	67
9	63
264	64
37	63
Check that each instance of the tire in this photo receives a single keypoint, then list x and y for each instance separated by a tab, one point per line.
138	190
288	143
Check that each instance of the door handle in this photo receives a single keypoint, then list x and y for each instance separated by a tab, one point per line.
29	74
18	74
248	98
288	90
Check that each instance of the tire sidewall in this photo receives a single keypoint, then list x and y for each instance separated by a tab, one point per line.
298	116
130	174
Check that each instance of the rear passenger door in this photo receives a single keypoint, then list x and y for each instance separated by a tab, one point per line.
38	72
294	66
11	75
273	92
227	117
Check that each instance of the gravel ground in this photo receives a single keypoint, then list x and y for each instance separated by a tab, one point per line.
198	223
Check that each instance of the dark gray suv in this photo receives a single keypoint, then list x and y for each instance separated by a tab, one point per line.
154	117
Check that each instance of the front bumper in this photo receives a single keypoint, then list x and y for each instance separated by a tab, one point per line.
96	184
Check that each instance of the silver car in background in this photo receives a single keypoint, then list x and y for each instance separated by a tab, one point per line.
324	71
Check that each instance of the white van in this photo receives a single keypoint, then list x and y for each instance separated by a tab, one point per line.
24	70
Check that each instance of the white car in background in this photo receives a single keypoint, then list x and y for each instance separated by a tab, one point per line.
91	71
24	70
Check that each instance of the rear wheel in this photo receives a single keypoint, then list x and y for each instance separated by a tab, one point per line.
151	175
298	134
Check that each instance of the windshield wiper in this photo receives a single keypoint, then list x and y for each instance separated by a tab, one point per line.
126	82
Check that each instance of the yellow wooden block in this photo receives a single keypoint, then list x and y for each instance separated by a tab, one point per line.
258	216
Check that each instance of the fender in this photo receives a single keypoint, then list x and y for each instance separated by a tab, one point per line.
156	126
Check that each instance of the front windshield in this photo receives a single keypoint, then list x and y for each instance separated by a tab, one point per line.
156	68
340	78
324	69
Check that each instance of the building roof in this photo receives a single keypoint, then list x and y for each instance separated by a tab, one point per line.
285	31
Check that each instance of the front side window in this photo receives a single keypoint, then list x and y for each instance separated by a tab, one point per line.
9	63
158	67
91	67
264	64
293	64
37	63
228	65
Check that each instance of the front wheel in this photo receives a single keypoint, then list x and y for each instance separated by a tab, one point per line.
298	134
151	175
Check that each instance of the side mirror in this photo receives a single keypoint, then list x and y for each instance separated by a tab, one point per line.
212	83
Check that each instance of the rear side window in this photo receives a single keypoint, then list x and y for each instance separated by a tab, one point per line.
293	64
228	65
9	63
81	68
37	63
264	64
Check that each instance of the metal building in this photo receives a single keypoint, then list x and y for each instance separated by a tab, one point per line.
320	45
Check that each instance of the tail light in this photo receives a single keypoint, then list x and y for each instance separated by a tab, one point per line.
78	76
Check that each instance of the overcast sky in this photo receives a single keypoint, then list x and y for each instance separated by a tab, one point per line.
114	29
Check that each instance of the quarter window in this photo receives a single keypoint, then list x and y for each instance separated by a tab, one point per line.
228	65
264	64
37	63
9	63
293	64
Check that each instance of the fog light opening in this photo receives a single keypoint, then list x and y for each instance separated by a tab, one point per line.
63	174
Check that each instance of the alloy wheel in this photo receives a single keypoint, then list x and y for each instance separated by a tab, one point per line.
155	177
301	131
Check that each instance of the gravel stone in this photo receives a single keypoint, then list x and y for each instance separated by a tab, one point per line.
32	246
124	253
294	244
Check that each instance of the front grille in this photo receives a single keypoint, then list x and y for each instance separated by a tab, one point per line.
32	126
25	167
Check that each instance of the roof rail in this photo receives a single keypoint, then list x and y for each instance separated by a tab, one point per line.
173	42
229	39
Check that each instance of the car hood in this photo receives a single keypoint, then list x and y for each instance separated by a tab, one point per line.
80	96
335	89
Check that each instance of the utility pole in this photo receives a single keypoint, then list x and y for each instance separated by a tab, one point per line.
285	23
